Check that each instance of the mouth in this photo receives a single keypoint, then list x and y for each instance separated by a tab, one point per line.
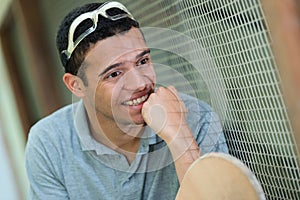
136	101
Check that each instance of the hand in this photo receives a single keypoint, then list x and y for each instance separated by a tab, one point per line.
165	112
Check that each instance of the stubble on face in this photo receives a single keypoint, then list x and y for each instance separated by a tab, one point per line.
117	103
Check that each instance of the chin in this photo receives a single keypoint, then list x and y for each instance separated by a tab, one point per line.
139	122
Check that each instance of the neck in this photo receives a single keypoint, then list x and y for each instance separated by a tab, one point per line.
107	132
114	138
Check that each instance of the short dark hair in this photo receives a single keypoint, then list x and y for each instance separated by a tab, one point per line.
105	28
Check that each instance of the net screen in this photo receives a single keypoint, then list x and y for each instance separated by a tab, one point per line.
232	68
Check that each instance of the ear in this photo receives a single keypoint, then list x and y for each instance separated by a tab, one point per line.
74	84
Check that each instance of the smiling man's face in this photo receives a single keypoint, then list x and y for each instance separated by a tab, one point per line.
120	78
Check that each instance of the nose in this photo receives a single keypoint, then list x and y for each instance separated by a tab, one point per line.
135	80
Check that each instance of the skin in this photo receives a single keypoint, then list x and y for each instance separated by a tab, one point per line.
119	69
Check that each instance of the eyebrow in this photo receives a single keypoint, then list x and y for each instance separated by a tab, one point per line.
115	65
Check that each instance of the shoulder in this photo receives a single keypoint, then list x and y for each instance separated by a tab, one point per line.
201	115
53	128
195	103
197	110
58	119
205	124
50	141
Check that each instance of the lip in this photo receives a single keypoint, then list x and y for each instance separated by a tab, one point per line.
138	99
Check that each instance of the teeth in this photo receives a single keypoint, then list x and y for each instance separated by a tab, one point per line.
137	101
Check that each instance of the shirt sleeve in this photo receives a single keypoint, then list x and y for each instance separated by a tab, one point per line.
42	170
210	137
205	125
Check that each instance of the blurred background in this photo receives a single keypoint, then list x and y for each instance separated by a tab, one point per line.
255	48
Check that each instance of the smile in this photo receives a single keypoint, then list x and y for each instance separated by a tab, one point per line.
137	101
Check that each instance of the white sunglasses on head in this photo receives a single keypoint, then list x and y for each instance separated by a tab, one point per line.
93	15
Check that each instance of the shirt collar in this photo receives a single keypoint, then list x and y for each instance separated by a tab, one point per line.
89	143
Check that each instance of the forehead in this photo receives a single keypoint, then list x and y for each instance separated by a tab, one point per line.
121	46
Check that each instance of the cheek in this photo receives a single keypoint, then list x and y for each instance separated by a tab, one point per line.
151	74
148	72
99	93
107	94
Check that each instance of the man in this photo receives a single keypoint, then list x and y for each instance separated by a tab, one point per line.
125	138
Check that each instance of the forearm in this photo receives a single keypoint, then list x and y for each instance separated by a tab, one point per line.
165	113
184	150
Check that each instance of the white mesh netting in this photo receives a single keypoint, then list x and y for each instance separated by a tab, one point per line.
236	40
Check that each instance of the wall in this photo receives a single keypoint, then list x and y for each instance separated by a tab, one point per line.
13	184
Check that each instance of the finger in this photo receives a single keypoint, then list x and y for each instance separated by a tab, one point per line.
172	88
174	91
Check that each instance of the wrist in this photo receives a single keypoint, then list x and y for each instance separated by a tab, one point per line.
171	134
181	140
185	148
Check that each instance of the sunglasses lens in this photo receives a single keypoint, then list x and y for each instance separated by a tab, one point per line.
93	16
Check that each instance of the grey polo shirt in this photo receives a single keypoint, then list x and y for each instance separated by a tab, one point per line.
64	161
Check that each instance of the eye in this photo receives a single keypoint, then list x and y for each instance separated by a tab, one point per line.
113	74
143	61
